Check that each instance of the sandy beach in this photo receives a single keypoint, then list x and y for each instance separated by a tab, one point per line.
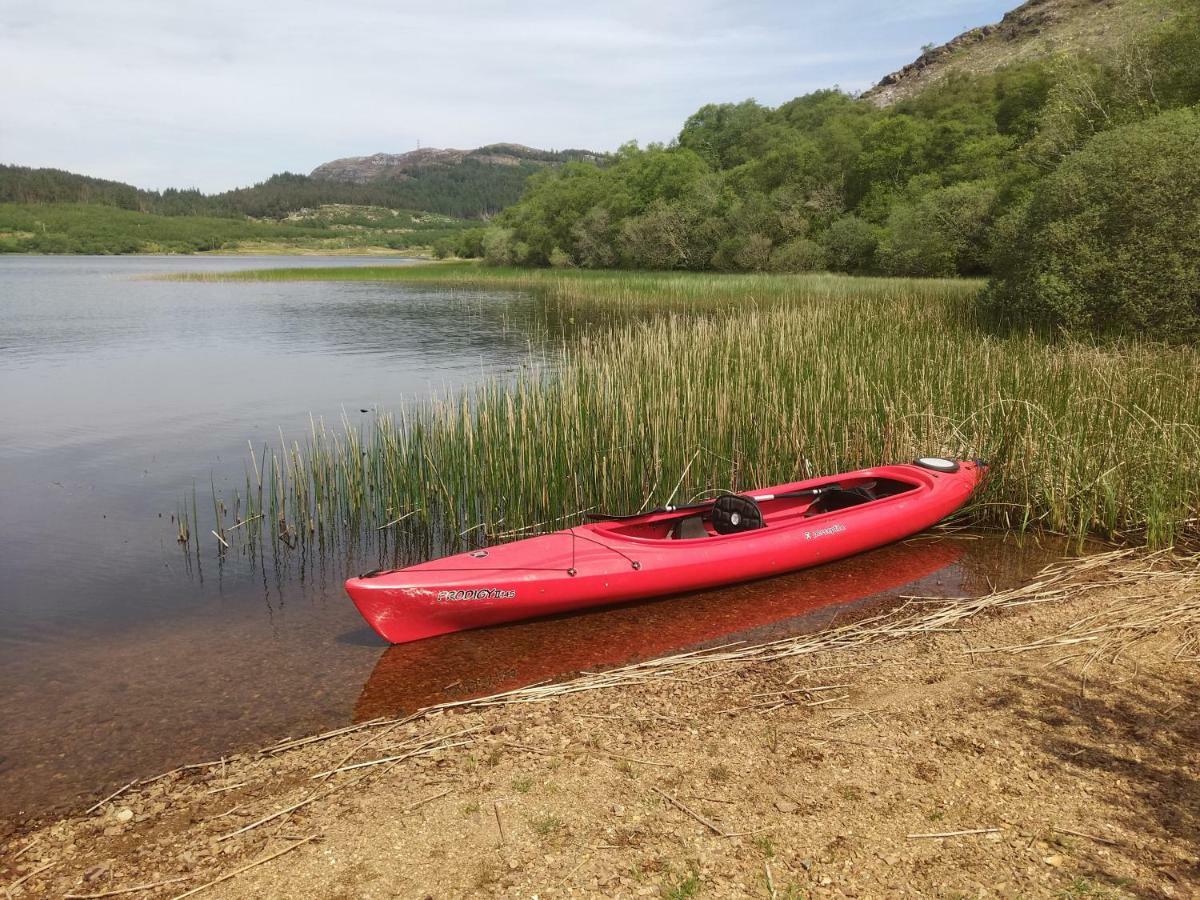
1039	742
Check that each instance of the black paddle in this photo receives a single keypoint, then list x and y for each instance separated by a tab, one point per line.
760	498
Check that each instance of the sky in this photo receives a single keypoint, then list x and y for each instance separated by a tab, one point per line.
224	93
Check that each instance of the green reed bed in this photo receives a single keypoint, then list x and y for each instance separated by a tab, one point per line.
746	381
644	292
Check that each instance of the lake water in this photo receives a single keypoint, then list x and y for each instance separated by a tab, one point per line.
120	658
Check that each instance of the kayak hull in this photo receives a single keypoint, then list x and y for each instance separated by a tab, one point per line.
485	661
604	563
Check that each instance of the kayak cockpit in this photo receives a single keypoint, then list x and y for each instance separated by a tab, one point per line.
776	512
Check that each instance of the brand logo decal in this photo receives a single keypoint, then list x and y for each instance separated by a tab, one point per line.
832	529
478	554
478	594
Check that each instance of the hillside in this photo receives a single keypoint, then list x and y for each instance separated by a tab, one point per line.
365	169
1036	29
823	181
941	182
467	184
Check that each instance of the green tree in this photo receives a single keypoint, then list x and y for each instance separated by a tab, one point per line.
892	152
718	132
798	255
1111	240
499	247
849	245
944	233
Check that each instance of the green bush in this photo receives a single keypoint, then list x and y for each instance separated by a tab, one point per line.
595	239
1111	240
850	244
754	253
469	243
798	255
657	239
944	233
499	248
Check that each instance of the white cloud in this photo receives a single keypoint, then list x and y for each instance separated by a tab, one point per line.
223	93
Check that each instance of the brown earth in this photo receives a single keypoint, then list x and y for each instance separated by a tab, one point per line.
829	772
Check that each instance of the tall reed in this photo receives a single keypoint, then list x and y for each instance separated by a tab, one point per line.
705	382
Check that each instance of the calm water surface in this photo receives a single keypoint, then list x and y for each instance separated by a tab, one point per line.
120	659
116	393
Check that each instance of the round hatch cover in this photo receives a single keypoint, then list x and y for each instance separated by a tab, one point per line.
937	464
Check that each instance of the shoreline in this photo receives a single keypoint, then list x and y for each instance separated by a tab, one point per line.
850	764
250	252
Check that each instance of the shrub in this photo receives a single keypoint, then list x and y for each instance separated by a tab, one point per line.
469	244
561	259
798	255
498	247
657	239
755	253
849	244
944	233
1111	241
595	239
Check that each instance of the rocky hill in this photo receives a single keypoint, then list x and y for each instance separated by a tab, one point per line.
1037	28
381	166
467	183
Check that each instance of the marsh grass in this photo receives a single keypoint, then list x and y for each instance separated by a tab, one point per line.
684	384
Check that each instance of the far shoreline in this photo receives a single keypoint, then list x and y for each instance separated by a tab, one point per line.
247	252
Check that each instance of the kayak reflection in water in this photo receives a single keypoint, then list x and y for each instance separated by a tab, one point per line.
477	663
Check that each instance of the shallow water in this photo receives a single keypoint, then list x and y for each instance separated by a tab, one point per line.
121	657
116	393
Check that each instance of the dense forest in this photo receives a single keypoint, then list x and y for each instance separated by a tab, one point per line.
1075	182
471	189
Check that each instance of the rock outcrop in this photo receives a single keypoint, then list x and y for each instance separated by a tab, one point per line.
1035	28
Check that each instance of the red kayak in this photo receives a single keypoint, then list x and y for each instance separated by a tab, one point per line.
666	551
486	661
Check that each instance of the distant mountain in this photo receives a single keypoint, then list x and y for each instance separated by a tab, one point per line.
1038	28
467	184
464	183
414	163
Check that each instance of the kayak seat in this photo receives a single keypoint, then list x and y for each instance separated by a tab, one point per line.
689	528
735	513
841	498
